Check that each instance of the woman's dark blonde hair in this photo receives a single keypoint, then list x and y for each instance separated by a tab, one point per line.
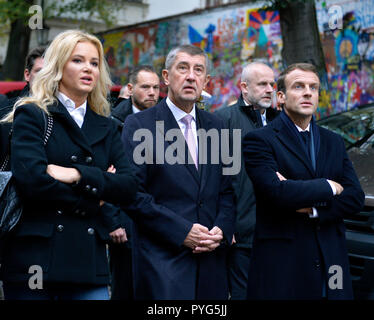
46	81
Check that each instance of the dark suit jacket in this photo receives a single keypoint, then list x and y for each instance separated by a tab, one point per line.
119	115
122	110
172	198
292	253
240	116
62	227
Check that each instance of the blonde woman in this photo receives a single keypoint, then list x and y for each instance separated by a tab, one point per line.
66	184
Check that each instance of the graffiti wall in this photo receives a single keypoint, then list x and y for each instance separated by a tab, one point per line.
349	54
232	36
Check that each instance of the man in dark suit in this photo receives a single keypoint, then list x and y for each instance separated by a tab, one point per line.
303	187
144	90
33	64
184	212
257	88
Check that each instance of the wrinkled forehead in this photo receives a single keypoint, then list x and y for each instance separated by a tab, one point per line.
192	60
301	76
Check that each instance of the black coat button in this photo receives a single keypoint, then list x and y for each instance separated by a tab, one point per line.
77	211
60	228
74	158
88	159
200	204
83	213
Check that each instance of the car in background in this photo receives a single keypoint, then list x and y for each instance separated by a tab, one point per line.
356	127
11	88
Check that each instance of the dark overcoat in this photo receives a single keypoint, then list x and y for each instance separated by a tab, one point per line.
171	199
294	255
63	227
243	117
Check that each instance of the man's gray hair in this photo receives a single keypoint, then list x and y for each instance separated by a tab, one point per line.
189	49
246	73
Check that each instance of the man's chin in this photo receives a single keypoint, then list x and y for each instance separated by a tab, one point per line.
265	105
189	98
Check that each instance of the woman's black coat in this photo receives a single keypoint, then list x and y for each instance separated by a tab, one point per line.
63	227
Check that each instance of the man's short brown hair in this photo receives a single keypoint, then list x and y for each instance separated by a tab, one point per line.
133	75
32	56
301	66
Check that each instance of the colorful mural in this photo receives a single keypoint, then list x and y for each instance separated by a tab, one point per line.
232	37
349	55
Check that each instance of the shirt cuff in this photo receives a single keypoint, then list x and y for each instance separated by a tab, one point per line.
314	214
332	187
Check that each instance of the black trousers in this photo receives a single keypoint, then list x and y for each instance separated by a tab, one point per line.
238	263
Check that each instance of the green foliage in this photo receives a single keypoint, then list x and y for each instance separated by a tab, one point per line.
103	10
11	10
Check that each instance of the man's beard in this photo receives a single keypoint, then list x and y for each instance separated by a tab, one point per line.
265	105
142	106
259	103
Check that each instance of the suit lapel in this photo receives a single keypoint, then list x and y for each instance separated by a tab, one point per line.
95	127
321	156
60	113
166	116
86	136
291	142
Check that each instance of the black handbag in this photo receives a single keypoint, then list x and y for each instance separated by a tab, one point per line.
10	203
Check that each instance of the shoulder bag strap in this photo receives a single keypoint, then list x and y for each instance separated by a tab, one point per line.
48	125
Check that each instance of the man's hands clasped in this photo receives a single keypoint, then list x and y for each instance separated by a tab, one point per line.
201	239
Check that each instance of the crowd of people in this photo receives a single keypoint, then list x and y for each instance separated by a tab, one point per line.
131	201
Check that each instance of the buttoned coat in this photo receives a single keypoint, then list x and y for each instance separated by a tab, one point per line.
293	255
63	227
171	198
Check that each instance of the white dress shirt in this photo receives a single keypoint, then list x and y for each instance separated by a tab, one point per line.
263	118
263	115
135	109
76	113
333	189
179	114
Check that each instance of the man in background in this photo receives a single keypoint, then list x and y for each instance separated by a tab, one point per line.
257	88
144	90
